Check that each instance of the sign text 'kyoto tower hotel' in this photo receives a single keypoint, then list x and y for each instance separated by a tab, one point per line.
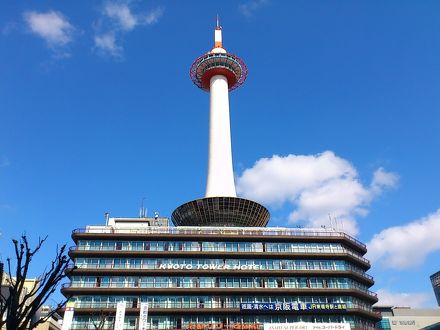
219	266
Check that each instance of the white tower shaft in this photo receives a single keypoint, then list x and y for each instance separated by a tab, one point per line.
220	171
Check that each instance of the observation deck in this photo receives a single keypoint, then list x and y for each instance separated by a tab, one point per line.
224	64
221	211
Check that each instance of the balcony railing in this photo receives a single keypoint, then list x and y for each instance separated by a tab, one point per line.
231	231
187	305
110	266
152	285
86	326
169	286
193	249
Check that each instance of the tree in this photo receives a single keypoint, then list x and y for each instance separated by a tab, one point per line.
101	321
22	299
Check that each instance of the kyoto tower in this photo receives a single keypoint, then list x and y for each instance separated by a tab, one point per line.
219	72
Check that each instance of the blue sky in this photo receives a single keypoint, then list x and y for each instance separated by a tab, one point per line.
339	115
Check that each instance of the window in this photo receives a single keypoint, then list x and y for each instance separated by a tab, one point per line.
134	263
105	281
120	263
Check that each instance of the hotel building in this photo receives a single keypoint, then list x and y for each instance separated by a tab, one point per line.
435	281
219	266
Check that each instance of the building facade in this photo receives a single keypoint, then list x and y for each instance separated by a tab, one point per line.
218	277
435	281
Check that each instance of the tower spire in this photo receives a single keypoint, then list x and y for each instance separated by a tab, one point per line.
218	35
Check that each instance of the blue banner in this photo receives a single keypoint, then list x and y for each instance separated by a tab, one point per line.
291	306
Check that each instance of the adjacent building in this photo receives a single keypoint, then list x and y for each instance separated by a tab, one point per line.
435	281
219	266
406	318
51	323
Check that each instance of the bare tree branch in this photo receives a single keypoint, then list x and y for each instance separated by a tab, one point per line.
18	309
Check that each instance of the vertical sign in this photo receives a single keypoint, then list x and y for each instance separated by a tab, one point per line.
120	315
68	315
143	316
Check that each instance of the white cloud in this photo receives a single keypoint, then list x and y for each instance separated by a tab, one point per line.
406	246
316	185
121	13
382	179
414	300
52	26
250	7
153	16
107	44
118	18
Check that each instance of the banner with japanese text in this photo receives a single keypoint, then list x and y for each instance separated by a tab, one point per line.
143	316
283	307
306	326
120	315
68	316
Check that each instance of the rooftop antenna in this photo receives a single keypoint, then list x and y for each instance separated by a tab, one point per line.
335	220
218	23
143	210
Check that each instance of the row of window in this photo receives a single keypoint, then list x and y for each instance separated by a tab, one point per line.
210	246
214	282
251	322
215	264
210	301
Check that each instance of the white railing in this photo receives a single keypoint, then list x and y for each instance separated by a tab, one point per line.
237	231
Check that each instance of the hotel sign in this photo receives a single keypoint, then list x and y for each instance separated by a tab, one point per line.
210	267
282	307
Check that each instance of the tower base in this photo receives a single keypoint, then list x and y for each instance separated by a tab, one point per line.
221	212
